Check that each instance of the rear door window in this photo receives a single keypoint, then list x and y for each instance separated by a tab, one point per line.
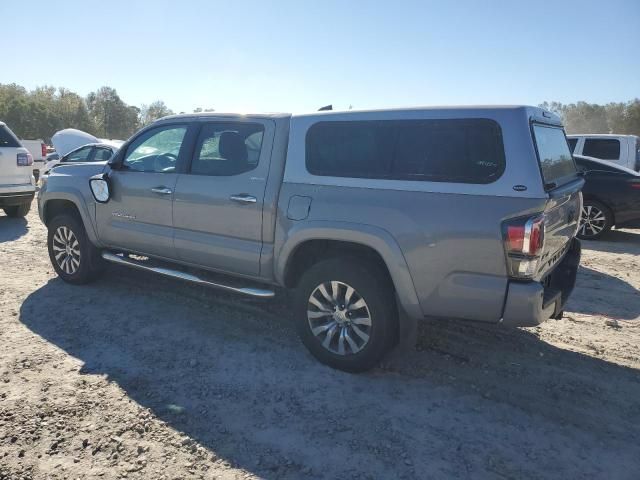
555	159
602	148
226	149
448	150
7	138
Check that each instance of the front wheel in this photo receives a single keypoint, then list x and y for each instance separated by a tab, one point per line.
596	219
346	314
74	258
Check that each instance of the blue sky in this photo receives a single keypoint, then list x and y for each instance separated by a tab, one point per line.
250	55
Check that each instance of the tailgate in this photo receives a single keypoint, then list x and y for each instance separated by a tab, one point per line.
563	185
562	217
10	172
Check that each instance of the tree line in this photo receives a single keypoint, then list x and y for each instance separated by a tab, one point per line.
583	117
41	112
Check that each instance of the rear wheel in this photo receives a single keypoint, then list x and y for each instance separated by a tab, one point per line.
346	314
74	258
18	211
596	219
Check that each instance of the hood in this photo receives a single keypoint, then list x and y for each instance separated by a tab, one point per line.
69	139
110	141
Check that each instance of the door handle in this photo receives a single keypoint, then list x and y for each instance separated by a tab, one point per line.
243	198
162	190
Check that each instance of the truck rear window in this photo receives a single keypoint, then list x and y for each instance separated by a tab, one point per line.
556	162
7	138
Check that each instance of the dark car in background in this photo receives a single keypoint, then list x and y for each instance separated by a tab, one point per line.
611	197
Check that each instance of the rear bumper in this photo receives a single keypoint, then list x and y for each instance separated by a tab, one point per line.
13	199
531	303
12	195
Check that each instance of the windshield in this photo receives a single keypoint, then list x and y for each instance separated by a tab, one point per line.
555	158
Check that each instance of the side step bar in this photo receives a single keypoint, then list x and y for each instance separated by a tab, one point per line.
250	291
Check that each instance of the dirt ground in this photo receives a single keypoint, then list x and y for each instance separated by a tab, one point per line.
140	377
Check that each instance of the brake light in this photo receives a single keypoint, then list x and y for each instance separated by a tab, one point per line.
523	243
526	236
635	186
43	150
25	160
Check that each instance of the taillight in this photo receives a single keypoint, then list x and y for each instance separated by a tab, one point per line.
25	160
44	150
635	185
523	243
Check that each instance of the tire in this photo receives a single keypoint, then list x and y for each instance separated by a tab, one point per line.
596	220
84	263
18	211
347	349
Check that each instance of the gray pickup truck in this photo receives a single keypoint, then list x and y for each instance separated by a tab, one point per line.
466	212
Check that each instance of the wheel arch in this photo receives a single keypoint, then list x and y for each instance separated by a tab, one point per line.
55	203
303	244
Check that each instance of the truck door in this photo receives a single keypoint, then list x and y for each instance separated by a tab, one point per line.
138	217
217	210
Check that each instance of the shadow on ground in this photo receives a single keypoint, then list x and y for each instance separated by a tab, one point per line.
12	228
597	293
616	241
483	402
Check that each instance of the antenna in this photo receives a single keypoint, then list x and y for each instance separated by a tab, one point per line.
325	108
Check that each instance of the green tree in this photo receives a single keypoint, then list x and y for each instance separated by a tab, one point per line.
152	112
112	117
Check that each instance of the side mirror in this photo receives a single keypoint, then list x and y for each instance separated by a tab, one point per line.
100	187
115	162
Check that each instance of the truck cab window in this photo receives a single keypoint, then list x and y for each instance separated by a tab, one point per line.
156	150
225	149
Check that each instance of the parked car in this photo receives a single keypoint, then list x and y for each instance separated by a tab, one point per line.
93	152
17	184
623	150
611	197
443	212
38	151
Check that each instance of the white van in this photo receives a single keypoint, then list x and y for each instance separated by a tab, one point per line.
623	150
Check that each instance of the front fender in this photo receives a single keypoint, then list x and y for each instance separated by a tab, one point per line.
374	237
86	207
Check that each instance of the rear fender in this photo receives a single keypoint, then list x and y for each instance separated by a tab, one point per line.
373	237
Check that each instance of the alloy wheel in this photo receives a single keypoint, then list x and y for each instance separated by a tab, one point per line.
66	250
339	318
592	221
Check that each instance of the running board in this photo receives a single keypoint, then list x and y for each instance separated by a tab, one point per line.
168	272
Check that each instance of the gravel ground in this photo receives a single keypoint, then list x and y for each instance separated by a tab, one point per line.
140	377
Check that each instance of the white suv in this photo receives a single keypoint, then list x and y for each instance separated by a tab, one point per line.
17	184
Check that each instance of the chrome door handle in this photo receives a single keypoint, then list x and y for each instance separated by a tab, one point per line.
162	190
243	198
